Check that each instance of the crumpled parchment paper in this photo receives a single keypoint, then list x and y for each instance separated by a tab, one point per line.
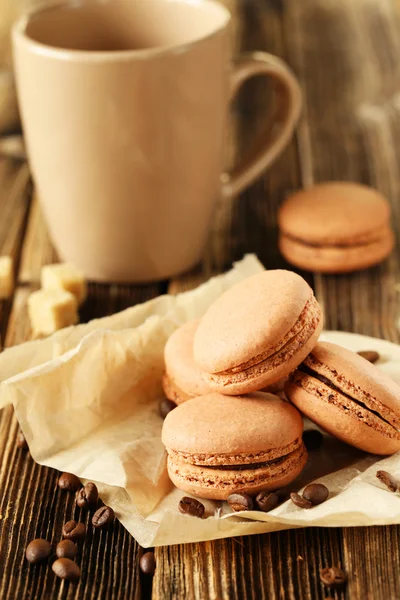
87	400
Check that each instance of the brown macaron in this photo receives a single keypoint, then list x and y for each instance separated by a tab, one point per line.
218	445
257	332
348	397
335	227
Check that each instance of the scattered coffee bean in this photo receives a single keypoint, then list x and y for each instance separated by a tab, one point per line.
300	501
387	479
21	441
191	506
165	407
37	551
69	482
74	530
267	501
316	493
240	502
87	496
332	576
66	549
103	517
147	563
65	568
369	355
313	439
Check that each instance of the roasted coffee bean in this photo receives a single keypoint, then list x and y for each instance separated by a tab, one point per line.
300	501
240	502
87	496
267	501
387	479
21	441
65	568
103	517
191	506
74	530
313	439
332	576
371	355
37	551
66	549
165	407
316	493
147	563
69	482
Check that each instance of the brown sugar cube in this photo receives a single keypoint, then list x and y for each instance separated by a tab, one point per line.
65	276
50	310
6	277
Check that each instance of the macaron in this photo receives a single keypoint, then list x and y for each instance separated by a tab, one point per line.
219	445
257	332
182	379
348	397
335	227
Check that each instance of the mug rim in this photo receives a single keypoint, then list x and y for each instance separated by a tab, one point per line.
20	36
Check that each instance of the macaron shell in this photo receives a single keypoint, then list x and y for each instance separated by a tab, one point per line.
260	376
219	424
183	379
334	212
218	484
356	376
248	319
330	259
174	392
340	423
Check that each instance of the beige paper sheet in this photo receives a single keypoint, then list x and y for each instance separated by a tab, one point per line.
87	402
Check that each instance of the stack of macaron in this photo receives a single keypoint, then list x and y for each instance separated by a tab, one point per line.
335	227
228	433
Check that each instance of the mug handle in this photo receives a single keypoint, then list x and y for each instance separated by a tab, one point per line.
271	142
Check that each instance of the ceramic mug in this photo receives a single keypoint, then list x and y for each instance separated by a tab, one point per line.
124	107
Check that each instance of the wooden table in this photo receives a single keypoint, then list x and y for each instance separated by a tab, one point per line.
346	54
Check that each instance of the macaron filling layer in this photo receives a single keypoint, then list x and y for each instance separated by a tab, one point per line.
348	396
366	239
272	358
225	478
237	459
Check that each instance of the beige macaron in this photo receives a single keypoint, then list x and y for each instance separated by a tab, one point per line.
335	227
218	445
348	397
257	332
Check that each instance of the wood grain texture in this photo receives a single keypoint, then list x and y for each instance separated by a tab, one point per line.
345	53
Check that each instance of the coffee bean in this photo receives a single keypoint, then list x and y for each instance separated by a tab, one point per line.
165	407
69	482
387	479
316	493
73	530
147	563
87	496
300	501
371	355
21	441
37	551
103	517
240	502
66	549
332	576
191	506
65	568
313	439
267	501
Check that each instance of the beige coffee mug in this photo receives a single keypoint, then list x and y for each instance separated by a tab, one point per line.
124	106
